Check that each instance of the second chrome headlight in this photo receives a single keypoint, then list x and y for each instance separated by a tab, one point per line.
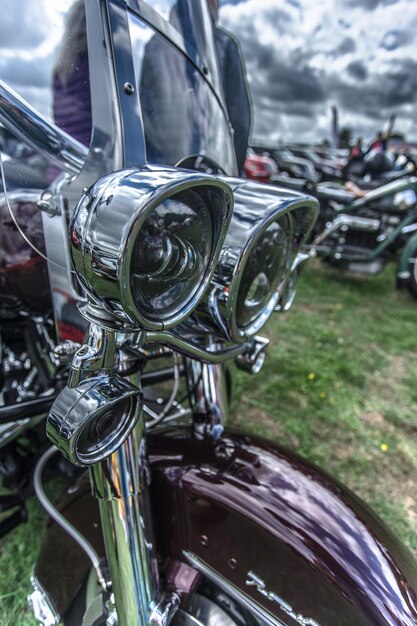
268	227
145	243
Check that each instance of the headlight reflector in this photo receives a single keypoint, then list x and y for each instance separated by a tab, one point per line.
170	254
263	270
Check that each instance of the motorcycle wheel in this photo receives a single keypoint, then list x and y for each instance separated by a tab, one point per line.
412	268
209	606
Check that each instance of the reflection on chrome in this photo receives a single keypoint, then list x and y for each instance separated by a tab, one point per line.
145	243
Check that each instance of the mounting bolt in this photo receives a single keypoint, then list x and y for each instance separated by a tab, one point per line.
129	89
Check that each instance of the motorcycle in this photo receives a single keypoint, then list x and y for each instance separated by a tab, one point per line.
362	234
169	274
379	167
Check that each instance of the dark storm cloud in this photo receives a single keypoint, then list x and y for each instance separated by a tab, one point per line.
287	80
247	35
344	23
295	79
403	80
346	46
357	70
382	93
370	5
394	39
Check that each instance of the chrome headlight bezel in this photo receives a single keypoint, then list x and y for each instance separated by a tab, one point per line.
228	297
108	222
257	206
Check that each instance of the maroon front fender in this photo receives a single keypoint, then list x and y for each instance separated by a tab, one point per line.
243	505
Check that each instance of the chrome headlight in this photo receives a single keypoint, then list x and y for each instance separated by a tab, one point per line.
268	227
88	423
145	242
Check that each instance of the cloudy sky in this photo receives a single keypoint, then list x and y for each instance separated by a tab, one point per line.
302	56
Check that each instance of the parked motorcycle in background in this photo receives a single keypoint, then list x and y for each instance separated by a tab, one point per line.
361	227
362	234
125	271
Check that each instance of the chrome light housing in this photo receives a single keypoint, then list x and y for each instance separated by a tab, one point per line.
267	230
90	422
144	243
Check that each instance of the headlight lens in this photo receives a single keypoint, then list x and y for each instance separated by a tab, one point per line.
262	273
170	253
101	435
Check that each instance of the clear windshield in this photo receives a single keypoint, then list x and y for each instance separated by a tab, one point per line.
46	63
191	22
179	86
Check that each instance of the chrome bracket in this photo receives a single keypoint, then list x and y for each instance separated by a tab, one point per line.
50	203
41	605
97	356
164	612
253	358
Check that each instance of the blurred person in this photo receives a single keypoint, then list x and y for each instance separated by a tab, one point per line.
235	87
71	81
356	150
378	143
354	163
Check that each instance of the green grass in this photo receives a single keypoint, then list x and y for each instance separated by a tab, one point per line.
18	553
339	382
339	387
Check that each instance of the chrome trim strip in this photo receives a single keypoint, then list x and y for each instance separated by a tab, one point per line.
407	230
232	591
12	430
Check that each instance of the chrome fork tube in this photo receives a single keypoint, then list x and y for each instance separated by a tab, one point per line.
208	396
121	484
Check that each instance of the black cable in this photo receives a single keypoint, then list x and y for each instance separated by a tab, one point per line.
191	391
186	396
